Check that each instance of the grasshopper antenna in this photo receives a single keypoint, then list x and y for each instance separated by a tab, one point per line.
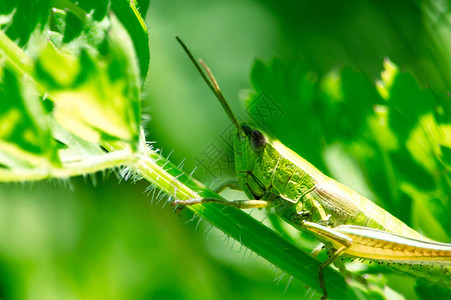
212	84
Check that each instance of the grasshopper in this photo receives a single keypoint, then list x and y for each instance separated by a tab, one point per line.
348	224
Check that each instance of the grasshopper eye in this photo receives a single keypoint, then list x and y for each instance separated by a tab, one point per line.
257	140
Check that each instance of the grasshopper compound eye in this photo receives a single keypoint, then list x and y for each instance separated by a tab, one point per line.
258	141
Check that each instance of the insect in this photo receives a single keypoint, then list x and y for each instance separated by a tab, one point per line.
348	224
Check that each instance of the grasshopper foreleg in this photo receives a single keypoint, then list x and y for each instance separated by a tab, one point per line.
316	209
231	184
240	204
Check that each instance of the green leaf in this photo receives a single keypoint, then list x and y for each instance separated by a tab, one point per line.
132	18
25	137
143	6
426	291
446	155
407	104
286	95
91	85
95	97
98	9
27	16
74	29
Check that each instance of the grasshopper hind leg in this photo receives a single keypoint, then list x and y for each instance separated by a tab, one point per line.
334	258
324	265
330	237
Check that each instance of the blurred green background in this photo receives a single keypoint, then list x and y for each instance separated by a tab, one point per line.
75	239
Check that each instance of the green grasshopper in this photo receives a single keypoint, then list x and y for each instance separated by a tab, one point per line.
348	224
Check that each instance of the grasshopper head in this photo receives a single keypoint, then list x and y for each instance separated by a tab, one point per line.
252	149
249	144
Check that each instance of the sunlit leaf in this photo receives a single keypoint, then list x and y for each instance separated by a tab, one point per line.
132	14
26	17
95	97
87	73
25	137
